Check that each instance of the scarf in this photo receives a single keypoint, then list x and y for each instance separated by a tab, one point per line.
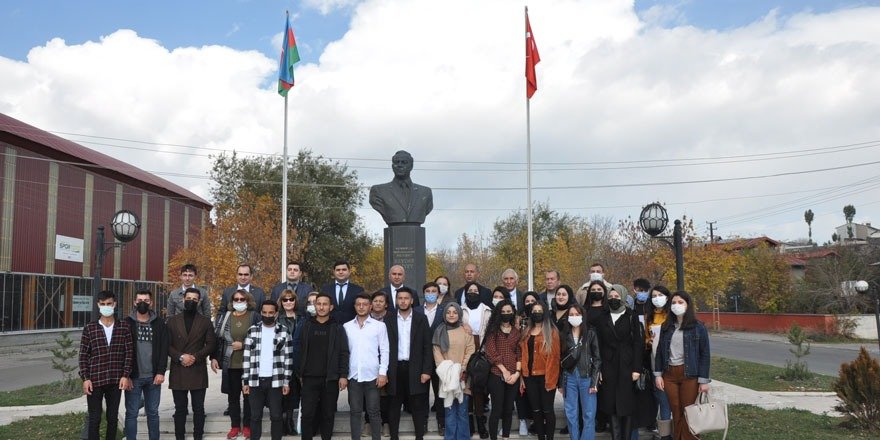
441	335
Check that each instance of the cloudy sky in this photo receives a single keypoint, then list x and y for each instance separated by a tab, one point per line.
745	113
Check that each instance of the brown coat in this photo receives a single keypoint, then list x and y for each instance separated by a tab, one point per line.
544	364
199	342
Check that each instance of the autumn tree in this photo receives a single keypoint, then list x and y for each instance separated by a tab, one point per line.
708	268
763	278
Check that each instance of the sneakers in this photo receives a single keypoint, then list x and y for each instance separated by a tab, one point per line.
386	431
233	433
246	431
365	431
523	428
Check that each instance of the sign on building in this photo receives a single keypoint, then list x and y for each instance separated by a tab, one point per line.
68	248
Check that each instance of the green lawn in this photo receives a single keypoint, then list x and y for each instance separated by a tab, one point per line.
47	394
762	377
750	422
68	426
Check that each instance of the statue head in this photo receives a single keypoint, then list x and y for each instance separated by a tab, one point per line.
401	164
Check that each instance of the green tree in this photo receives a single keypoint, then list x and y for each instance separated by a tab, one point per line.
808	217
764	278
849	212
322	198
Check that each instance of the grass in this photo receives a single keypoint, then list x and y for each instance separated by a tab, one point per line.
750	422
67	426
762	377
46	394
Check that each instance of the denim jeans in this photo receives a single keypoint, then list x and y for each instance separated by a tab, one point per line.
663	403
457	426
360	394
577	389
142	388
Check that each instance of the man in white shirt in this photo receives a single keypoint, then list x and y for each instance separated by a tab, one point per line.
367	372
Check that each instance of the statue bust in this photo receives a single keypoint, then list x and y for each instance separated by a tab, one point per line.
401	201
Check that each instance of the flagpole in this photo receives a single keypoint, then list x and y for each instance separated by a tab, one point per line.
529	181
284	200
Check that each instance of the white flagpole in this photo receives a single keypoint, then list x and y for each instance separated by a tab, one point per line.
284	200
529	179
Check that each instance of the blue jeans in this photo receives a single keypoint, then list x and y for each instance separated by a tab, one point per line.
663	403
578	389
457	426
151	393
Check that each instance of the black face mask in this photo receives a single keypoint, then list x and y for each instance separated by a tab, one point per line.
472	300
507	318
537	316
190	305
268	320
142	308
614	303
597	296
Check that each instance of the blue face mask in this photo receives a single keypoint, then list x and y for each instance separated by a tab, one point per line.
431	297
642	296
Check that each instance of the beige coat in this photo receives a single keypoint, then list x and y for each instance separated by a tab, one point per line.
461	347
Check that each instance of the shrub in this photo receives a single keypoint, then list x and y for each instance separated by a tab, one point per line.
61	355
858	388
797	370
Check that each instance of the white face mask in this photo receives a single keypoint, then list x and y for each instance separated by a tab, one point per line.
239	307
575	321
595	276
495	301
678	309
310	309
106	310
659	301
443	289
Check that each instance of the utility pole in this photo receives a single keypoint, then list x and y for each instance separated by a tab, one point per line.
712	231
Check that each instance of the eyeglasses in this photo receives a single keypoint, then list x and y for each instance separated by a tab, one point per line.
244	274
288	300
239	300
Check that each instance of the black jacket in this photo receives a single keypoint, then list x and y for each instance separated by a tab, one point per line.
421	354
587	351
160	345
391	307
337	353
622	346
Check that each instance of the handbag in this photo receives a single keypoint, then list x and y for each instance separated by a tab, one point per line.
479	367
641	384
705	416
571	357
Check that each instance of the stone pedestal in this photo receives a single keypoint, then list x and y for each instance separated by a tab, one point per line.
405	245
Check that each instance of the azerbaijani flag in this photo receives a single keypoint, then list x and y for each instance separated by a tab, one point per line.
532	58
289	57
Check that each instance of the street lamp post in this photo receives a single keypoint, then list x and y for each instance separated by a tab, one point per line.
865	287
125	226
653	220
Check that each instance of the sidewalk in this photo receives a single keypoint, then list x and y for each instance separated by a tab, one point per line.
781	338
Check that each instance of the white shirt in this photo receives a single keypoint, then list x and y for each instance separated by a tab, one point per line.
431	312
404	333
513	296
336	290
267	349
108	332
394	294
245	288
368	346
475	317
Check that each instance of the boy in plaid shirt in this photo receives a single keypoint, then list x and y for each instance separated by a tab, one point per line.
268	368
105	361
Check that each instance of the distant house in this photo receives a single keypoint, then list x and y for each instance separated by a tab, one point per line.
799	261
861	233
741	244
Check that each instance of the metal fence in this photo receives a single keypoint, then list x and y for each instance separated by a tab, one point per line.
38	301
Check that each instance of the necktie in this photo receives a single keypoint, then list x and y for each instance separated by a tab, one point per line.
340	295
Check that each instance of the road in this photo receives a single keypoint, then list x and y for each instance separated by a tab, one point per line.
22	370
773	350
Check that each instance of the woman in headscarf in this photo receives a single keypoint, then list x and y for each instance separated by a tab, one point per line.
476	318
453	347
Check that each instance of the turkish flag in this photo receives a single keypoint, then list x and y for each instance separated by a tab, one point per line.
532	58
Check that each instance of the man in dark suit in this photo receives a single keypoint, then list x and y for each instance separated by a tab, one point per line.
188	273
509	280
471	273
551	283
295	283
342	291
401	201
396	277
411	362
243	276
190	340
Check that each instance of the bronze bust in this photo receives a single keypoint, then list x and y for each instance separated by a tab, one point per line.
400	201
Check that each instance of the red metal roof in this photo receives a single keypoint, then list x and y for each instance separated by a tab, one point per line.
48	144
748	243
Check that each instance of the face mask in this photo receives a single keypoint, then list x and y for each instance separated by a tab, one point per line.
595	276
614	303
659	301
641	296
507	318
310	309
106	310
444	288
431	298
472	299
575	321
597	296
190	305
537	317
268	320
495	301
678	309
142	308
239	307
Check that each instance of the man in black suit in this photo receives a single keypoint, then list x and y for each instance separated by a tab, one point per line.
471	273
342	291
551	283
396	278
509	279
433	311
411	362
243	276
295	283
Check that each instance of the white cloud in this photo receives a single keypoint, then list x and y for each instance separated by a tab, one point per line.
328	6
445	81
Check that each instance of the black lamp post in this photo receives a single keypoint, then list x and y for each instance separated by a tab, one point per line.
864	287
653	220
125	226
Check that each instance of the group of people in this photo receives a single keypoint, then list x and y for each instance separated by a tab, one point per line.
620	362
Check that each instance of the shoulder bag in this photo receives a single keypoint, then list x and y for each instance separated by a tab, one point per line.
705	416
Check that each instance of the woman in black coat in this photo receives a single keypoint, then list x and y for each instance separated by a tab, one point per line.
621	342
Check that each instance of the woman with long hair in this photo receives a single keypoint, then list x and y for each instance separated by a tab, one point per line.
453	347
561	303
595	304
445	289
523	408
681	367
539	346
657	313
579	348
231	330
288	316
503	351
621	343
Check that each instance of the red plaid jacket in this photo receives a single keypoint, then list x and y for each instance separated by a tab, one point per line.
101	363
